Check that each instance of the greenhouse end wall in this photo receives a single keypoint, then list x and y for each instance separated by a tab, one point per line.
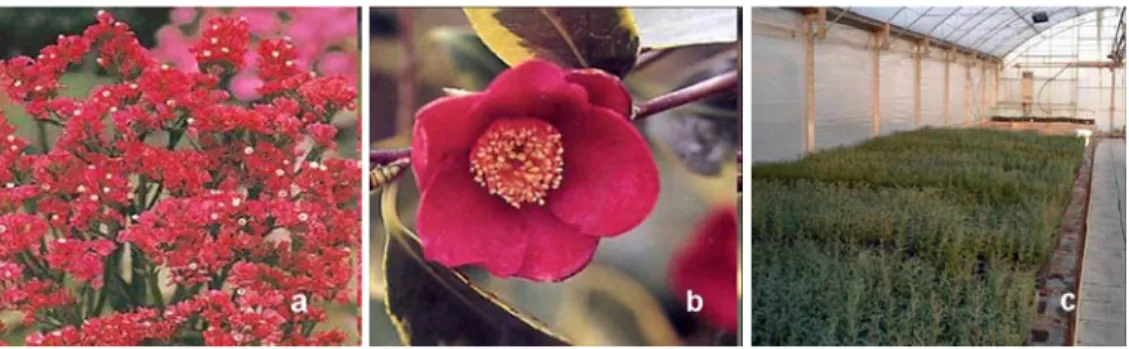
1072	78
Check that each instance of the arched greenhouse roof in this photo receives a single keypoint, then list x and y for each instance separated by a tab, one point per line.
994	31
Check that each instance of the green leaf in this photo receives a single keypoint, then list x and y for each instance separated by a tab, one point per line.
432	305
661	28
472	61
602	38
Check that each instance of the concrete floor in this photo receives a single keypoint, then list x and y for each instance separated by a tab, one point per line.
1101	299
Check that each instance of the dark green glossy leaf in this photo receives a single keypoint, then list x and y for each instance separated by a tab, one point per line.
432	305
573	37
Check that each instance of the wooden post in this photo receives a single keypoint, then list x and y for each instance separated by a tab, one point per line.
1100	11
983	90
1112	95
809	35
996	82
875	98
967	93
945	108
917	83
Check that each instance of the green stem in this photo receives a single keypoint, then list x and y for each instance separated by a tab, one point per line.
194	290
48	320
154	287
142	194
174	138
87	301
100	302
41	133
115	284
308	328
157	195
217	283
38	269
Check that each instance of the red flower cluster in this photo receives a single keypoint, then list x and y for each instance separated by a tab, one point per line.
124	329
549	162
224	42
192	220
81	260
250	319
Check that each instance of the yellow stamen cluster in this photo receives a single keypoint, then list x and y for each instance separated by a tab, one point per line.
519	160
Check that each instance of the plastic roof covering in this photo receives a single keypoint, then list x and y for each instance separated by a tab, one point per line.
991	30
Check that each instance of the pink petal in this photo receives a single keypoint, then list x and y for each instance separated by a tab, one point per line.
460	223
445	130
610	179
182	15
245	86
556	250
604	90
535	88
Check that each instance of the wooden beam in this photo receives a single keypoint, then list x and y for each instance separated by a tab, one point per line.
848	18
884	36
804	10
875	98
809	35
945	108
1112	96
996	83
917	83
821	22
1078	64
983	91
967	88
1101	11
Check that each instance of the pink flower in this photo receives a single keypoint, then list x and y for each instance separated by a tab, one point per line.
173	47
261	21
182	15
246	86
549	163
338	63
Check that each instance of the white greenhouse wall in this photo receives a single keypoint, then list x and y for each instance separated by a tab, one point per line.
1064	91
956	93
896	89
932	92
779	93
844	72
976	87
843	87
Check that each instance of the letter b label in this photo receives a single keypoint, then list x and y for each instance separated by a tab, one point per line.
693	302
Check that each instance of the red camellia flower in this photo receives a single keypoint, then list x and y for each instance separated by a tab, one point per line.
525	177
707	266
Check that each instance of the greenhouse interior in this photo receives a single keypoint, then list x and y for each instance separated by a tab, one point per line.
873	71
937	176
